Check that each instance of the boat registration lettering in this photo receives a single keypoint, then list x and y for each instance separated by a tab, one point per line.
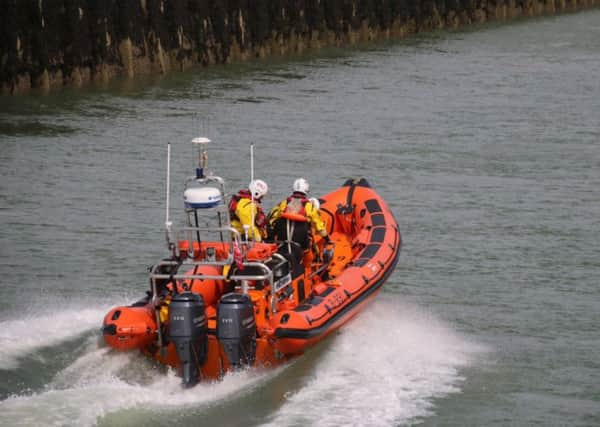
281	283
335	300
374	268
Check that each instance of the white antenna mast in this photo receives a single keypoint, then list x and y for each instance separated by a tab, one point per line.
168	223
252	179
252	162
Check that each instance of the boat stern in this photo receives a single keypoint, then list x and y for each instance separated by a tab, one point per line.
128	328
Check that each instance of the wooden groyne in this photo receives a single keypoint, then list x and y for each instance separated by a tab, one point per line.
53	43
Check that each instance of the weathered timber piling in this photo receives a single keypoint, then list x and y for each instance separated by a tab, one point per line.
52	43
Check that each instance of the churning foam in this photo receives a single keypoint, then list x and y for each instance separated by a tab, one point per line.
91	387
385	368
22	336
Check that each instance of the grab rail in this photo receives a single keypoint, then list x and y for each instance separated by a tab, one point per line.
188	233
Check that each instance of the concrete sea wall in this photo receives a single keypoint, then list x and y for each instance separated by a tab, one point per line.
52	43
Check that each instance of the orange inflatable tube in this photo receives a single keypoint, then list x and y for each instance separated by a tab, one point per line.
367	249
296	309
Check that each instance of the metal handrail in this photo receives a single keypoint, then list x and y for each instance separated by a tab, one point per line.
154	276
187	231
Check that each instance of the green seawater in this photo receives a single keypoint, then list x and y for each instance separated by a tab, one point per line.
486	145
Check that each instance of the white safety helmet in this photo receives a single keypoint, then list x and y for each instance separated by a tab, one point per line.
258	188
301	186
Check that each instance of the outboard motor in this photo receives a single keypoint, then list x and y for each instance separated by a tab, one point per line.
188	331
236	329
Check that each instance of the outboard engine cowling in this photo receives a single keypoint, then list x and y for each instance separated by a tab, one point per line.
236	329
188	331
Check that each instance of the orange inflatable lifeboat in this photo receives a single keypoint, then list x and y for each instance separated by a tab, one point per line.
217	304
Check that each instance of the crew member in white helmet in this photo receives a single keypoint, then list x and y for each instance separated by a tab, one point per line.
245	205
299	210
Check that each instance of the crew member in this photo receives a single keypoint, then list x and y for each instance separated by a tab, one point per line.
245	207
296	216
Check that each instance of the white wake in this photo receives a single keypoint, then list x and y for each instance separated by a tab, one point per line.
23	336
93	386
385	368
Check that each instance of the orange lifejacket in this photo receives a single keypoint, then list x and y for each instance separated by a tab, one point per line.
294	212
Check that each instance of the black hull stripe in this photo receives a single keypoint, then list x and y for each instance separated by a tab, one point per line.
304	334
360	290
